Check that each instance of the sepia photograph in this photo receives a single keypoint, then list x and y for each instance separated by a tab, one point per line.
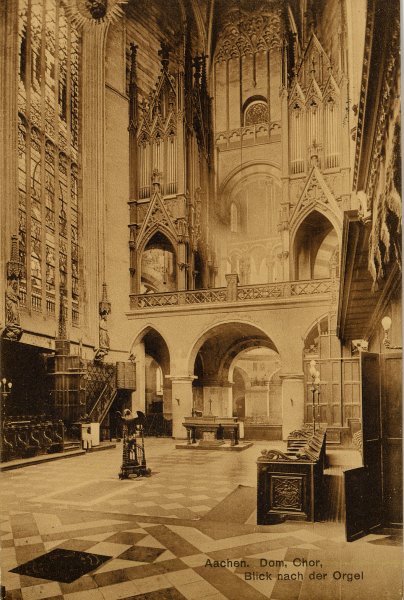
200	300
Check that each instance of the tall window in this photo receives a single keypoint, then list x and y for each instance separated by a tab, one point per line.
297	139
48	157
332	134
314	123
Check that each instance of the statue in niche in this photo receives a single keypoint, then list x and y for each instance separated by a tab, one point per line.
13	330
104	336
12	302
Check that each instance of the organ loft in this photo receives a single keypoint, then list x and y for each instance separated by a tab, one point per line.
201	209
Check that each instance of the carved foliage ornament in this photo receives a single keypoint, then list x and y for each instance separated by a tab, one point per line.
287	493
385	236
246	33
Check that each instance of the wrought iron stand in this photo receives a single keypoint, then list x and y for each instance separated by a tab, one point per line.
133	453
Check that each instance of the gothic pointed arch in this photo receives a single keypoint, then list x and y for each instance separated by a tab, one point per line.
158	264
313	93
157	218
316	195
297	95
315	245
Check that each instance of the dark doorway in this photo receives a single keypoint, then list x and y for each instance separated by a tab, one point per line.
25	366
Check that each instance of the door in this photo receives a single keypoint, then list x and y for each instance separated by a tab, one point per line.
363	486
391	398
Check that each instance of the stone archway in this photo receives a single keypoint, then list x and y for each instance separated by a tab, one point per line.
213	360
151	354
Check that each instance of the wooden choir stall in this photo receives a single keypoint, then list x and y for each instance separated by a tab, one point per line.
290	483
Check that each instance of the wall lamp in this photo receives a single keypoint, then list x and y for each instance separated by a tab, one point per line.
386	324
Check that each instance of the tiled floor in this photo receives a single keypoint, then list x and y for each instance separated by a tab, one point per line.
159	535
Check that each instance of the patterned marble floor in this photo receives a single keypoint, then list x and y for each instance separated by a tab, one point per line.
158	536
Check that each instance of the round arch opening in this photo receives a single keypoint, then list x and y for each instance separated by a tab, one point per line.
236	367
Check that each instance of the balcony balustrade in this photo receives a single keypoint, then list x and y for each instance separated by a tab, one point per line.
234	293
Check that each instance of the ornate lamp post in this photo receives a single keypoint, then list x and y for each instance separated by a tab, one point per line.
386	324
315	387
5	391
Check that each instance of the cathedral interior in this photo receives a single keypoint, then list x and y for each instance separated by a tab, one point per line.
201	226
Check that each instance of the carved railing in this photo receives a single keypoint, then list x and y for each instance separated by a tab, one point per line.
244	293
259	133
260	292
154	300
204	296
316	286
100	389
103	403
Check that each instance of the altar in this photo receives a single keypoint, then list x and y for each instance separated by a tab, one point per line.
212	430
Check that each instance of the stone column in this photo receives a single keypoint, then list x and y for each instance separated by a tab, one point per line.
8	138
181	402
181	267
93	117
167	400
139	395
227	400
232	284
283	225
292	402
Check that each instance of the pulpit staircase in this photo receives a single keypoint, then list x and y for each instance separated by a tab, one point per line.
101	390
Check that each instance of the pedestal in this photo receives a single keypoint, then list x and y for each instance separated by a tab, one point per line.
209	439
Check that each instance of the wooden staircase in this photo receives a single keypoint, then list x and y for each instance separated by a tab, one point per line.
101	390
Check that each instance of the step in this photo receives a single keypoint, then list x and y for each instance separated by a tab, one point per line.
41	458
69	446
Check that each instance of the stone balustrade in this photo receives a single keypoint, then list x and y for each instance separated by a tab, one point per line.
278	291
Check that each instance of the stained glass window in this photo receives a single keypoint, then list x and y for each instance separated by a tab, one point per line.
256	112
48	157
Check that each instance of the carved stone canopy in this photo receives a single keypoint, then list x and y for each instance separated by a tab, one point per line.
104	306
246	33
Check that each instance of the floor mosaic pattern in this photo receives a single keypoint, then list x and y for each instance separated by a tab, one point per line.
160	536
61	565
